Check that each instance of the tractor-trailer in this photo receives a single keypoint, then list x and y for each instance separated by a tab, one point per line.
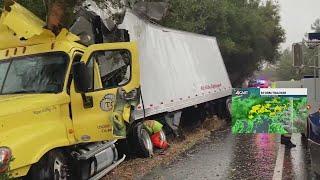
65	102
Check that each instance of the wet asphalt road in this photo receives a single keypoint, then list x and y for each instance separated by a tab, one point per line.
227	156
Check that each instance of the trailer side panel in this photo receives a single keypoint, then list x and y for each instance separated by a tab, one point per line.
178	69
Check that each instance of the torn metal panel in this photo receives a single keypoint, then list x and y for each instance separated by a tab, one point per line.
91	30
22	22
153	10
66	35
111	12
83	28
20	27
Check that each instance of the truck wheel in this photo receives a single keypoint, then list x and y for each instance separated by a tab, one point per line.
52	166
229	108
224	109
163	136
229	105
143	142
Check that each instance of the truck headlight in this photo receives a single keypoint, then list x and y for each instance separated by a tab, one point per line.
5	157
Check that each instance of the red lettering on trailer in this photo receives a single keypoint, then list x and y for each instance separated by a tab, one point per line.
210	86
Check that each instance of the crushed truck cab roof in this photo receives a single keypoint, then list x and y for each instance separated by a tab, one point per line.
20	27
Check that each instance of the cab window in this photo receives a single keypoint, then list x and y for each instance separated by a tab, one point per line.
40	73
110	69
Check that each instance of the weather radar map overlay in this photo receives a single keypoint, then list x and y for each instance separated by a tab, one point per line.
270	110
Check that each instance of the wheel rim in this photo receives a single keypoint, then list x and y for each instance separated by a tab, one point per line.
59	170
229	106
163	136
146	140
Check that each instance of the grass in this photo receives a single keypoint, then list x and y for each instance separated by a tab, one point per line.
281	114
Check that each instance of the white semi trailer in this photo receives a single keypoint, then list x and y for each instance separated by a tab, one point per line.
178	69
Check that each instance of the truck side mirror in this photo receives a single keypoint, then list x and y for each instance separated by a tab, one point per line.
297	55
81	77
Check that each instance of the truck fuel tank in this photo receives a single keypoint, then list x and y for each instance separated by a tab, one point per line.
94	160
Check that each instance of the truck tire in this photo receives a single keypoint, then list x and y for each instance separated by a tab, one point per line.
52	166
224	109
143	143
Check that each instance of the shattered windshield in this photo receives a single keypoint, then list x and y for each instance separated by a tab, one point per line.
43	73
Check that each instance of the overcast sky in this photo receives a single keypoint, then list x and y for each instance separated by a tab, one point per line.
297	17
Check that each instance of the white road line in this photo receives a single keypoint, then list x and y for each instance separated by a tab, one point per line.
277	174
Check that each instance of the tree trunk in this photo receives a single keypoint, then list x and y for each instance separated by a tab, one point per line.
60	14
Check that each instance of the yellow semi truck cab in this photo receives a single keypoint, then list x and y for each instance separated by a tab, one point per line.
59	97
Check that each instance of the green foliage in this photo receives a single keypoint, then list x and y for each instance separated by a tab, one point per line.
277	128
247	31
285	71
279	115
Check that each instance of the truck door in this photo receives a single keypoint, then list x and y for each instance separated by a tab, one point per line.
100	114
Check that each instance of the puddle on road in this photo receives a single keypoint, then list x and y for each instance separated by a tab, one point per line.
297	164
254	157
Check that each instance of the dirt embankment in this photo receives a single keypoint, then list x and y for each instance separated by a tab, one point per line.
138	167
